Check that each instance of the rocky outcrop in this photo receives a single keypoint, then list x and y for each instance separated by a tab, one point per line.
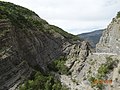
84	78
110	40
77	56
110	43
76	61
102	66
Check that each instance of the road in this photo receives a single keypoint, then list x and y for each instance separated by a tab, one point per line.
104	53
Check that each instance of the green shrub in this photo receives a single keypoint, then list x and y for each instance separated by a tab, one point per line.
59	66
103	70
42	82
91	79
100	86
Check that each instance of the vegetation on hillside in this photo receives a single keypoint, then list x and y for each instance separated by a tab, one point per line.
42	82
22	18
47	81
64	33
59	66
103	70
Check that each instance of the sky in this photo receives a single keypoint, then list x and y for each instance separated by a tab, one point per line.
74	16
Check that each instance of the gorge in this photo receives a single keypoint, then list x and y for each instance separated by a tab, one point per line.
35	55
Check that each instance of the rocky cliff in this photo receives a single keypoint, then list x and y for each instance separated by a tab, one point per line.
110	40
29	43
100	70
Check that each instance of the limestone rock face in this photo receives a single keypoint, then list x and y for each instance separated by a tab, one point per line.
77	57
82	70
110	40
86	67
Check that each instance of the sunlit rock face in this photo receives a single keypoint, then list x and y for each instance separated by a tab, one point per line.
110	40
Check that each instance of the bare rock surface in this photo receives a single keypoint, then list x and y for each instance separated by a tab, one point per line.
110	40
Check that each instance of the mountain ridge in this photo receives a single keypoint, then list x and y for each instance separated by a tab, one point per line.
92	37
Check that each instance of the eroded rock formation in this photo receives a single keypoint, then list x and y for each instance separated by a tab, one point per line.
110	40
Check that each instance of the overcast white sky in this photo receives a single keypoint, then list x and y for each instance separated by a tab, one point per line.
74	16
